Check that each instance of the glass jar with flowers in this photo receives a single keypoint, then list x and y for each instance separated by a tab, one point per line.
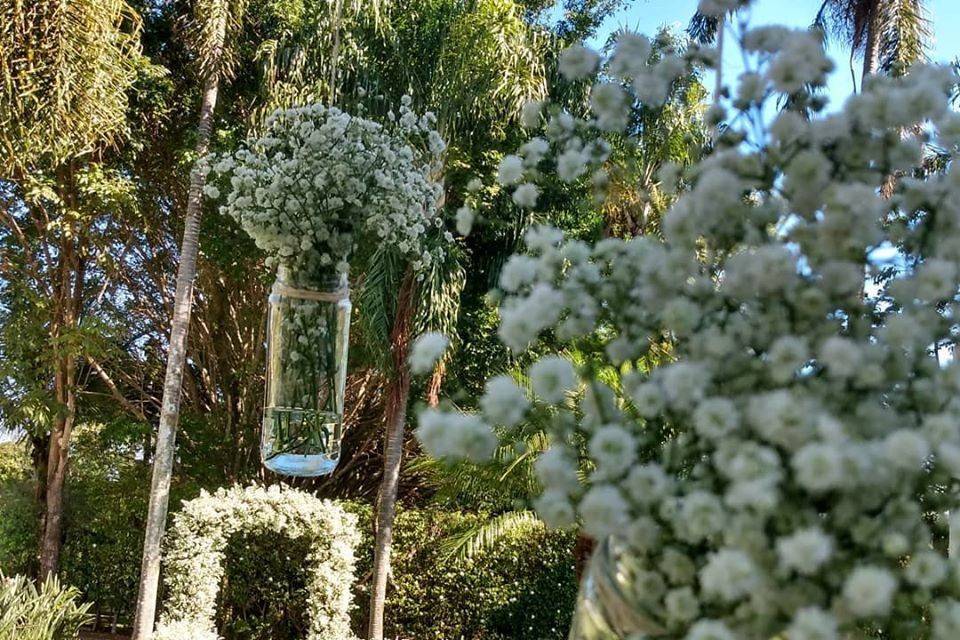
317	188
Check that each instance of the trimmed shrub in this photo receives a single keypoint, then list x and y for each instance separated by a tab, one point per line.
201	531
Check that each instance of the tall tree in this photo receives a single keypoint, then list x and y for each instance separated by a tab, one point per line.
65	69
477	64
213	26
889	35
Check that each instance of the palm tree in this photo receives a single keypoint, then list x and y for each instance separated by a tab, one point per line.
477	65
890	35
65	69
213	27
396	308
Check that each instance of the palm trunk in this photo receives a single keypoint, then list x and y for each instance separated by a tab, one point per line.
871	52
176	357
396	417
436	382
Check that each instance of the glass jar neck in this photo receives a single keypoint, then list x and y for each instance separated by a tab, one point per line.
331	280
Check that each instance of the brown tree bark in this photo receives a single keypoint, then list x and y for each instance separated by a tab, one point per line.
396	418
69	305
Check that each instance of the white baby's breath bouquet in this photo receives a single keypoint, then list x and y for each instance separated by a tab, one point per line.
786	473
319	182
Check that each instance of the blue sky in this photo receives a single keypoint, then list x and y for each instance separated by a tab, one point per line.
646	16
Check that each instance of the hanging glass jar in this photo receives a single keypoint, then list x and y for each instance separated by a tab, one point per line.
308	334
612	604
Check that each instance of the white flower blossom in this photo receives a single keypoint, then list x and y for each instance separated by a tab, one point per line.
552	378
805	551
503	401
604	511
868	591
710	630
578	62
510	170
426	351
729	575
812	623
614	450
530	114
464	219
526	195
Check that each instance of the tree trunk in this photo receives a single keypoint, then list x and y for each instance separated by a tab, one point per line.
396	418
69	301
176	357
436	382
57	459
871	52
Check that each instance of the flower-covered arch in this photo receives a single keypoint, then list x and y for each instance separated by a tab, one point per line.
199	536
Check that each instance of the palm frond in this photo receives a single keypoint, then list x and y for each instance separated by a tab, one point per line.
65	68
474	540
490	65
703	28
905	35
211	33
440	292
377	298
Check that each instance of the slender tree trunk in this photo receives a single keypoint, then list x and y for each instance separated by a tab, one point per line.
396	418
176	357
72	277
57	460
871	52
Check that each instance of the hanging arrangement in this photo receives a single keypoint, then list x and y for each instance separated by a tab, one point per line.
318	189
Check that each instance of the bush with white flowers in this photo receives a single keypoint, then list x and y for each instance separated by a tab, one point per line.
785	474
319	182
194	556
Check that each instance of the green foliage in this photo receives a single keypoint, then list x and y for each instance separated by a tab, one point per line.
522	588
65	68
18	517
263	594
105	511
50	612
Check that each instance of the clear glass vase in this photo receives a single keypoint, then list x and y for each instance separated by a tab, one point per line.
611	604
308	334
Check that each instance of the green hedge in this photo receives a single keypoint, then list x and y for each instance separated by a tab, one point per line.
523	588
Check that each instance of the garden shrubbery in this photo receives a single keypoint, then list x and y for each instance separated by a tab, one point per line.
45	612
522	588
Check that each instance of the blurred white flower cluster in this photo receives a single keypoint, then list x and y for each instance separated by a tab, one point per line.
194	556
785	472
319	181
